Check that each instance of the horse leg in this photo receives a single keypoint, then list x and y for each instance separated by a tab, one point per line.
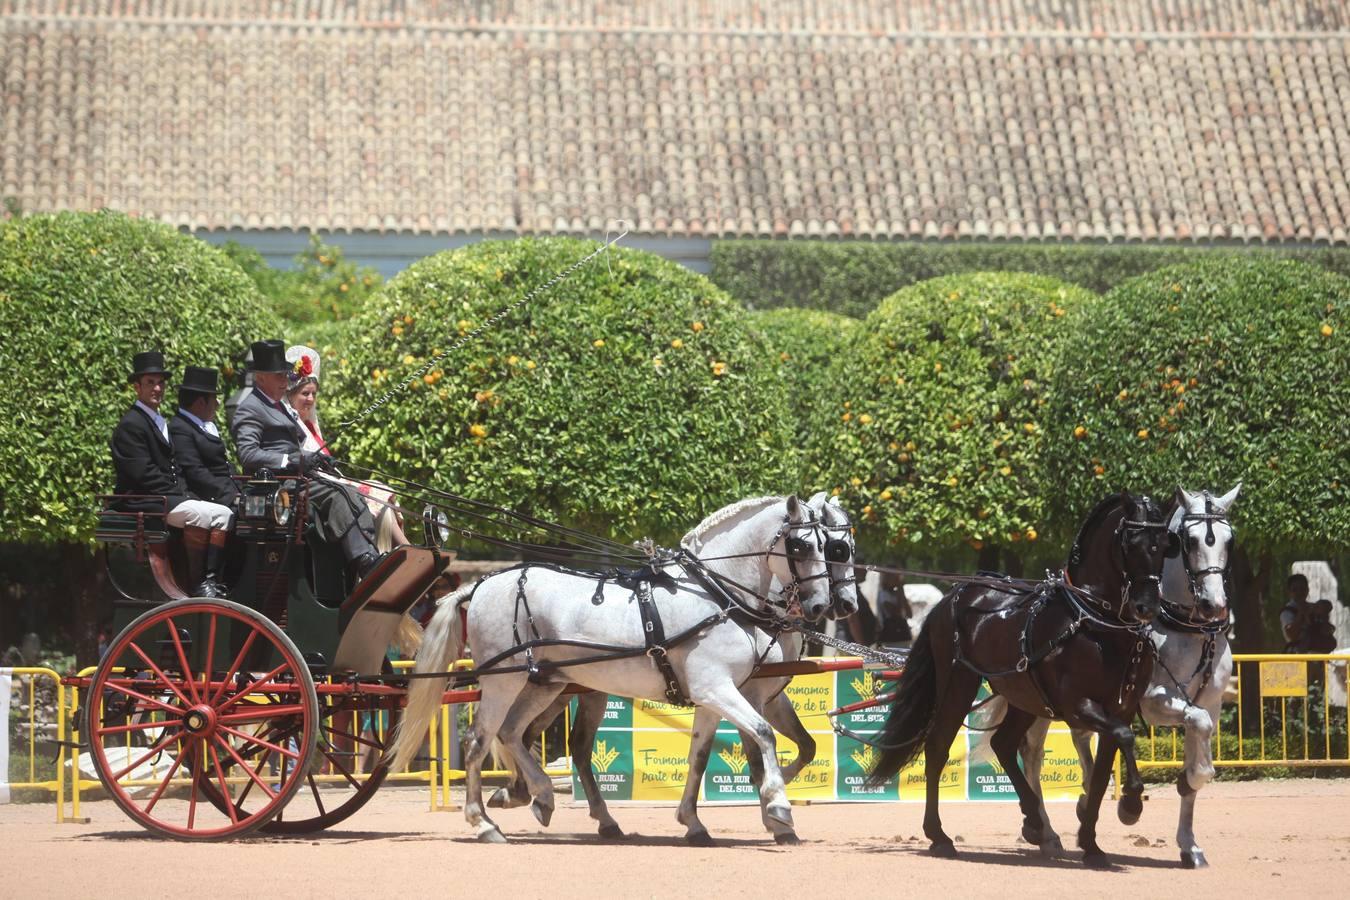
493	707
581	741
517	792
1026	730
530	706
954	700
757	779
700	748
1198	772
1082	742
732	705
1089	810
784	718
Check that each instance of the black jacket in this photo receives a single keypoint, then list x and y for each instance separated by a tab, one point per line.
145	463
263	435
201	458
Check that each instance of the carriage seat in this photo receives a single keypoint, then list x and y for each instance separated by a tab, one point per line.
116	527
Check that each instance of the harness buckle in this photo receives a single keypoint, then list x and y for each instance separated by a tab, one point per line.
1023	664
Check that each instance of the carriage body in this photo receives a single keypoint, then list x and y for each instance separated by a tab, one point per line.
210	719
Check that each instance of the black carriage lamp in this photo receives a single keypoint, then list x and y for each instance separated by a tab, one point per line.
266	498
436	526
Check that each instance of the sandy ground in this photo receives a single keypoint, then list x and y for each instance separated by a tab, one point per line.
1281	838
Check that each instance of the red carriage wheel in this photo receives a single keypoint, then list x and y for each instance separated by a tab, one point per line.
348	765
202	720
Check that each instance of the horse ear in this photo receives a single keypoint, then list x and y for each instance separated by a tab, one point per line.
794	507
834	501
1227	499
1185	499
817	499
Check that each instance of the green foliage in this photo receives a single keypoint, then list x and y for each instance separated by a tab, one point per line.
938	428
79	295
1211	373
852	277
804	345
630	399
323	289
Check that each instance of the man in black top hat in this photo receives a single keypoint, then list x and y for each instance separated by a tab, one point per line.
268	435
144	459
197	443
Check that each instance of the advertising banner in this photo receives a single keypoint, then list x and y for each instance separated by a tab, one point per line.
641	753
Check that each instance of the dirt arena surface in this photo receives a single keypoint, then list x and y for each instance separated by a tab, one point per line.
1278	838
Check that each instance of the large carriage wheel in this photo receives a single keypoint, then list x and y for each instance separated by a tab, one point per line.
189	713
348	765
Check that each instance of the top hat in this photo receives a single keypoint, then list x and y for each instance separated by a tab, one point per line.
200	380
149	362
269	356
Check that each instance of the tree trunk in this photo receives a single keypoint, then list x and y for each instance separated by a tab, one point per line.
988	559
1012	562
84	584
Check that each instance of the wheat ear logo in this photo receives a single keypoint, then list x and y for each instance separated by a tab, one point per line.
604	756
735	758
866	758
866	686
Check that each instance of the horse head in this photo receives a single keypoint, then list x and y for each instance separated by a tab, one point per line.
1201	539
1142	537
803	566
839	555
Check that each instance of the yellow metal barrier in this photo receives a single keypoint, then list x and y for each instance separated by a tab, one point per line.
1302	720
57	784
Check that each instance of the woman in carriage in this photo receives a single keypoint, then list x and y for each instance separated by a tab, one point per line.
302	395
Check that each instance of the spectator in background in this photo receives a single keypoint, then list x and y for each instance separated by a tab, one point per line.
1307	626
893	612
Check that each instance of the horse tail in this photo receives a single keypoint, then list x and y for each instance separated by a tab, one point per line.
408	638
442	644
915	706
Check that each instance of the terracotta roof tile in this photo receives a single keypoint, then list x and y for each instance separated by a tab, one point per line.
1019	120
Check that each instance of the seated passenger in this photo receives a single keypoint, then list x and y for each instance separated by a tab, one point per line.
196	439
268	435
143	457
302	396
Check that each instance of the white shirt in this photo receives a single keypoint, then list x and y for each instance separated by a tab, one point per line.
209	427
159	420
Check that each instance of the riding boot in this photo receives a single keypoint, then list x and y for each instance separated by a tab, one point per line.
213	585
195	542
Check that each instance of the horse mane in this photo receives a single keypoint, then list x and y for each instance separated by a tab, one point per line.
1103	508
694	537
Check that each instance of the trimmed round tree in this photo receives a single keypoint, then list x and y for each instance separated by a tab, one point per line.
79	295
938	430
629	399
805	345
1210	373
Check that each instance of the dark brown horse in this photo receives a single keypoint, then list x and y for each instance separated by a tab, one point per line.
1074	648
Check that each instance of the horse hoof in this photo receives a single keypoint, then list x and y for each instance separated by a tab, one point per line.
787	839
499	799
541	812
699	839
491	836
1052	849
1129	809
1096	859
780	814
612	832
1031	833
943	850
1195	859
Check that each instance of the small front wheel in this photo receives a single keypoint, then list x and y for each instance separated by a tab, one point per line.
202	720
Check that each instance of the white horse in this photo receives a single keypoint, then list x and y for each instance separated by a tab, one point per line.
537	623
765	694
1194	661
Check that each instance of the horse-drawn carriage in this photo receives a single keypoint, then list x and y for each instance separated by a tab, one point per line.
211	710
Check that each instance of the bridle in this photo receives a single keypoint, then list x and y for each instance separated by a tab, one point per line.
1193	575
1125	526
798	549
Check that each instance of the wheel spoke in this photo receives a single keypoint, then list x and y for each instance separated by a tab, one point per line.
356	738
149	807
196	782
343	770
259	741
177	711
253	686
263	713
153	751
182	660
224	785
136	726
210	653
234	667
251	774
160	672
314	789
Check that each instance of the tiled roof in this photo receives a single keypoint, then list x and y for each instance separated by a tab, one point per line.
1152	120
